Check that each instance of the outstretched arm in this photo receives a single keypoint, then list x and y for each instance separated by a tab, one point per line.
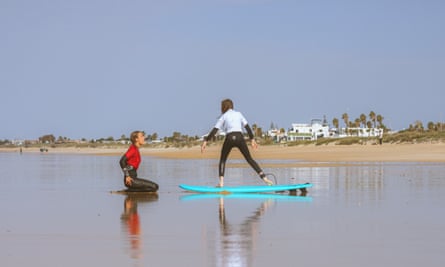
251	137
207	138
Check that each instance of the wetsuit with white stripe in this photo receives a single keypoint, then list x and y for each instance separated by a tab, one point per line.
232	123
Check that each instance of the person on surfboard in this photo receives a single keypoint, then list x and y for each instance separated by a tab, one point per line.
129	163
232	123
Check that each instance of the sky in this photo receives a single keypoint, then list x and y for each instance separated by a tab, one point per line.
100	68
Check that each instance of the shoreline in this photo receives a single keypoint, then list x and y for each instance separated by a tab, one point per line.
423	152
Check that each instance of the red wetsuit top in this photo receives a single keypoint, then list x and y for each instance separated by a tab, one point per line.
133	156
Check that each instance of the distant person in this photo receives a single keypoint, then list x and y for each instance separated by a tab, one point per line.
232	123
129	163
381	137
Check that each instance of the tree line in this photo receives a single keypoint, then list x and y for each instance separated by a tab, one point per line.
372	120
375	121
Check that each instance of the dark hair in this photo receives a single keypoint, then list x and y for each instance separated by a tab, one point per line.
134	136
226	104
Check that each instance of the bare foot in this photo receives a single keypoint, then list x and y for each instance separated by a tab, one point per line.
267	181
221	182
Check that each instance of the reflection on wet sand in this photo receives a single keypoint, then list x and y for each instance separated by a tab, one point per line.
236	243
368	180
131	224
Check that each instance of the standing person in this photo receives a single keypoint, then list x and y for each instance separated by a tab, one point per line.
232	123
381	137
129	163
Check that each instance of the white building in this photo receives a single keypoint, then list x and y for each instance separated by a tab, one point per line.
277	135
301	131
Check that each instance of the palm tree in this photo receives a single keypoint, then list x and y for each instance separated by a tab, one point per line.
431	126
345	118
372	116
363	119
259	132
335	122
380	120
254	127
256	130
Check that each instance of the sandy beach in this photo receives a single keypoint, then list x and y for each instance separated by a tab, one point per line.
329	153
324	154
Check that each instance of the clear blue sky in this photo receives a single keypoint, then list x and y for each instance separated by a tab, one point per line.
100	68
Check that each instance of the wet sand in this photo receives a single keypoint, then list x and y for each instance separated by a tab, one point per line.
357	213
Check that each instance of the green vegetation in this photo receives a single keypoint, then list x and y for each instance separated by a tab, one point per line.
415	137
402	137
416	133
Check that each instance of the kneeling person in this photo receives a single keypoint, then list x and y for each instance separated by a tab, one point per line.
129	163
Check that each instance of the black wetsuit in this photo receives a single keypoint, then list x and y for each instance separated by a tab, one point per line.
233	120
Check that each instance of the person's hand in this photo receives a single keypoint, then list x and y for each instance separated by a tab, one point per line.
128	181
254	144
203	146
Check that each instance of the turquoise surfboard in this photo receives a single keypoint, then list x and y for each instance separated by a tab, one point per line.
244	188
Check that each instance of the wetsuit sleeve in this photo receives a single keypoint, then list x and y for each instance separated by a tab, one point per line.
211	134
249	131
124	166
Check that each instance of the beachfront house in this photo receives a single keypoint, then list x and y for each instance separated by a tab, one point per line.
277	135
303	131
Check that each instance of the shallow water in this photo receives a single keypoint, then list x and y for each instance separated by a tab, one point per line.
57	210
